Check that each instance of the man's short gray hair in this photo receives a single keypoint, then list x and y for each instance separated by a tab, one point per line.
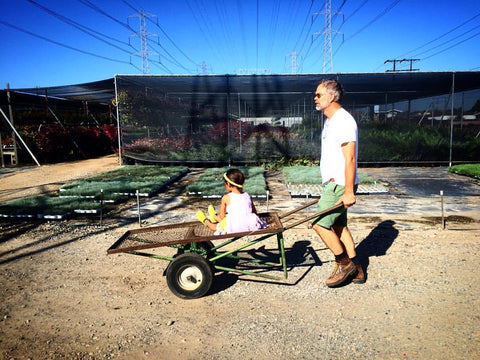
333	87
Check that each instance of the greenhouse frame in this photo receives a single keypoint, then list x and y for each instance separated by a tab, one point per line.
259	118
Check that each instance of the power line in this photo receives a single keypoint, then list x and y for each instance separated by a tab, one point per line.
441	36
224	22
292	11
201	21
78	26
170	59
450	47
312	40
61	44
258	10
97	9
345	19
448	41
173	42
273	30
242	30
303	27
379	16
375	19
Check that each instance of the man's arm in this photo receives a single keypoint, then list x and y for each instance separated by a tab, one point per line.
348	150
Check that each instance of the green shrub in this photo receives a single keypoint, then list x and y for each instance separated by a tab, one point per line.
472	170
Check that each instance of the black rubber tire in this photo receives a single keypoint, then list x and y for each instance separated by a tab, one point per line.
189	276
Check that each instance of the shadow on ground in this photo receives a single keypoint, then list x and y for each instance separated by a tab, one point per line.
376	243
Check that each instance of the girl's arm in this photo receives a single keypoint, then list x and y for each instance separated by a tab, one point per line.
223	206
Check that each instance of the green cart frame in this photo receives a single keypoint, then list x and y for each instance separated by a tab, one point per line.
191	270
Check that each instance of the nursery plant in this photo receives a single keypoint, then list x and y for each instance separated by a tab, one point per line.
210	183
311	175
46	205
147	179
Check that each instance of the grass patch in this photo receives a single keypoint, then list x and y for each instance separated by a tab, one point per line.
147	179
210	183
46	205
472	170
139	171
79	196
311	175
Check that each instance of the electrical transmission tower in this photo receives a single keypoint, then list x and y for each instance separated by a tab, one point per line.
143	34
293	64
327	38
204	68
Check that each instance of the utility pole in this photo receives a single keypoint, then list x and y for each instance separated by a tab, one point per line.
395	61
143	34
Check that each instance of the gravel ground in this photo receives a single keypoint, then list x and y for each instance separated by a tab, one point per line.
63	297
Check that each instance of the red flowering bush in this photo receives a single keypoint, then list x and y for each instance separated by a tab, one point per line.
54	143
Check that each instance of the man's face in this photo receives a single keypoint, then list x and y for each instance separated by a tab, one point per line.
322	98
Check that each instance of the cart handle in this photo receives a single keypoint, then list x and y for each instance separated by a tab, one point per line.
316	215
297	209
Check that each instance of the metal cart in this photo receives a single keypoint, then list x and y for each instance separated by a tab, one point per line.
191	270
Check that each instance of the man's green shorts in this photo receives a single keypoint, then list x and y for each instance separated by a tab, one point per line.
330	196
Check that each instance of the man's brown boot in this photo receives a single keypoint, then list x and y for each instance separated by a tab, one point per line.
359	278
344	268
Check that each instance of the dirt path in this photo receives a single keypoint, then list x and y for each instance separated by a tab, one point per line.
63	297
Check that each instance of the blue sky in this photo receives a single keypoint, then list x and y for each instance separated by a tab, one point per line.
61	42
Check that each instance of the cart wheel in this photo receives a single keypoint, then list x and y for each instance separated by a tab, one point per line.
189	276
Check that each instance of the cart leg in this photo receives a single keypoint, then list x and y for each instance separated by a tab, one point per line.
281	248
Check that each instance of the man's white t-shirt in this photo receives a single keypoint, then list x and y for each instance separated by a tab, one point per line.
339	129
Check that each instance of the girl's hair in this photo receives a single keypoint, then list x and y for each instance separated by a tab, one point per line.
236	177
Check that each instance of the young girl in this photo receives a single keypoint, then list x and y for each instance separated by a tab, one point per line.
242	215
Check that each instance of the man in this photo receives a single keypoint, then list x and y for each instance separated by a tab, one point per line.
338	167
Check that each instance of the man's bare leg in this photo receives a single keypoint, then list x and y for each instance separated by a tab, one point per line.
347	239
330	238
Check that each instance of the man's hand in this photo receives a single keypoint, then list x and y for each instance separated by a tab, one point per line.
348	199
